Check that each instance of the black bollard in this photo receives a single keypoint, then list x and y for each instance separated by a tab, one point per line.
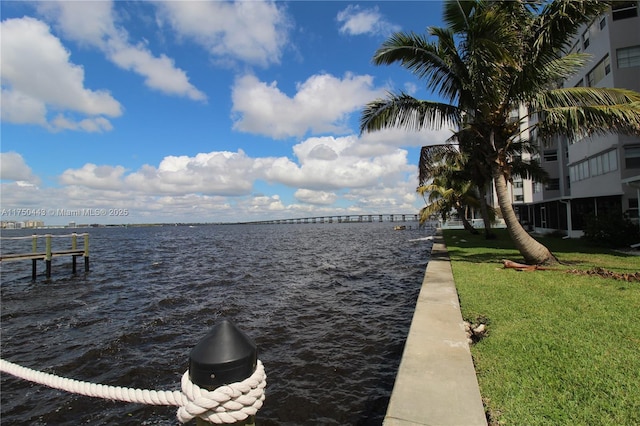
225	355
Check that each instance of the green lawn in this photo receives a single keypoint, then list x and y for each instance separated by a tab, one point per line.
561	349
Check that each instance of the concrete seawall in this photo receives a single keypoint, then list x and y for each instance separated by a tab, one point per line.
436	382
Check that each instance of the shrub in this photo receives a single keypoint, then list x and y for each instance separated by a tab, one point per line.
556	234
611	230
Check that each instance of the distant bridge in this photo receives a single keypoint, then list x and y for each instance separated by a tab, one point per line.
358	218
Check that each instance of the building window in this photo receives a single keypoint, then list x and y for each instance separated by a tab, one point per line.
609	161
550	155
632	213
624	10
595	166
632	157
576	48
518	198
599	72
579	171
553	185
585	39
517	184
583	170
628	57
603	22
537	187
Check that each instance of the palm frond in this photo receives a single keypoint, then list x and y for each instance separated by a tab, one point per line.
436	63
406	112
583	111
547	38
457	14
434	157
547	73
559	21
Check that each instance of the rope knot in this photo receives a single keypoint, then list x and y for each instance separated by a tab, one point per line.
226	404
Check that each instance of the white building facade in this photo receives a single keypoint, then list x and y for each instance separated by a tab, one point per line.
595	175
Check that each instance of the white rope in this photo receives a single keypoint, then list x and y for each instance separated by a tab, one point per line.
227	404
29	237
17	238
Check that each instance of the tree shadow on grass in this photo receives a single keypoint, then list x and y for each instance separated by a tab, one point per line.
503	241
459	256
465	247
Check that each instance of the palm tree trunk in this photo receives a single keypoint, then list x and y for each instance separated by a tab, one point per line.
534	252
488	234
465	222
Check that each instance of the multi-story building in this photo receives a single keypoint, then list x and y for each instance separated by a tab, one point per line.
599	174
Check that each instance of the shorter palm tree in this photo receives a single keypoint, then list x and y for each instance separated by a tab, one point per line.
463	155
449	188
442	201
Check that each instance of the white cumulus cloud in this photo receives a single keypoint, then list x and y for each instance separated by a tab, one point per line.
322	104
94	24
315	197
94	176
14	168
38	76
355	20
254	32
214	173
342	169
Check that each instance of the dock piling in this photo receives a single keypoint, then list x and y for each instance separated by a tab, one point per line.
34	262
48	255
74	246
86	253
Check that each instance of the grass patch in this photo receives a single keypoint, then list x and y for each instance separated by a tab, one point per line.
561	349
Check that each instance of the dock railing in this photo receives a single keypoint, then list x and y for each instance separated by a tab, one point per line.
49	253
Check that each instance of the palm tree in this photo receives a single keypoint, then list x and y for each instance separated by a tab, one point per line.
469	155
452	169
491	58
446	194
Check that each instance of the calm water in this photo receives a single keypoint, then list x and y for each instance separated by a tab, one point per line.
328	305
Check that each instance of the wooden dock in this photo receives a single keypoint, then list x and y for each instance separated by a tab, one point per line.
49	254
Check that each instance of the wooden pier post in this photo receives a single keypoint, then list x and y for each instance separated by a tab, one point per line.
34	262
48	255
74	246
86	252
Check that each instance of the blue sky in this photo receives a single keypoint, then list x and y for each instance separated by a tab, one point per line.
200	111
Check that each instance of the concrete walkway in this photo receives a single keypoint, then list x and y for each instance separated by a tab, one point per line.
436	382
